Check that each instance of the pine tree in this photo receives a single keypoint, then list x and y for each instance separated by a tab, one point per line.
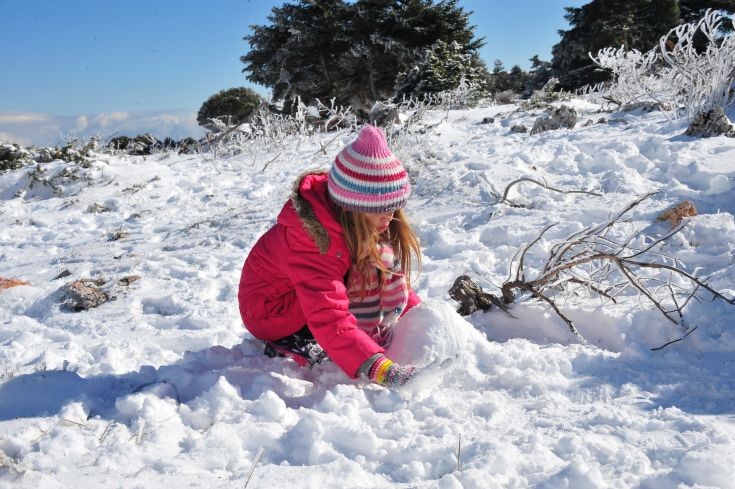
374	55
517	79
633	24
538	75
693	10
443	67
296	54
499	80
232	106
351	52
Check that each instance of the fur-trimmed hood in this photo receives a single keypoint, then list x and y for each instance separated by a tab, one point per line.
313	208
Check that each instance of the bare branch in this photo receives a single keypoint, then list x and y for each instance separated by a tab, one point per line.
519	270
675	341
609	269
504	197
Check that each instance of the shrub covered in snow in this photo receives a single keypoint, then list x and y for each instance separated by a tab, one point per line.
233	106
544	97
14	156
676	75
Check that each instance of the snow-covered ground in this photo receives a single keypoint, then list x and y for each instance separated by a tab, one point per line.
164	386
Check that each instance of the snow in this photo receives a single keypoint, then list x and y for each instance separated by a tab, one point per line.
162	385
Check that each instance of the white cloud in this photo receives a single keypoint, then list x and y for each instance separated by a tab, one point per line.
82	123
22	117
48	130
105	119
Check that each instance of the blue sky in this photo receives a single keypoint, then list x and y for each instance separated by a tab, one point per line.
87	57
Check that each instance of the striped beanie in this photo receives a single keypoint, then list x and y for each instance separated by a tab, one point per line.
367	177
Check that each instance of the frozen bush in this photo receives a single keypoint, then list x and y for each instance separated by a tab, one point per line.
704	79
676	76
636	78
506	97
542	99
13	156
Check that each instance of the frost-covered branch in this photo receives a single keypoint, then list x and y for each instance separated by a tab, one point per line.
593	263
637	78
705	78
503	198
675	76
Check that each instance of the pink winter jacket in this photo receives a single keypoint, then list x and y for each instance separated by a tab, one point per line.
295	276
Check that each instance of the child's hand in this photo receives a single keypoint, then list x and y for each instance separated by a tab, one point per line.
398	375
386	372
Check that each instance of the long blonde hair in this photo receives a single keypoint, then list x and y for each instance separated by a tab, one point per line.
362	244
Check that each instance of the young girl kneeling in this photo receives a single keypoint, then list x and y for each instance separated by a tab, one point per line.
332	276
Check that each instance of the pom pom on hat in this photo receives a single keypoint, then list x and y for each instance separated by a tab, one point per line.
367	177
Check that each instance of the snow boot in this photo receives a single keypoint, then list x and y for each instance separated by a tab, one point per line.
300	346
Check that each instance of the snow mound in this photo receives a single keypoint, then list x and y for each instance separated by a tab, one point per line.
429	333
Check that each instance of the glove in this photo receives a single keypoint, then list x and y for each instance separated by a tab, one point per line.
386	372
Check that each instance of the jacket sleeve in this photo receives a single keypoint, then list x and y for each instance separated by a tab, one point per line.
318	281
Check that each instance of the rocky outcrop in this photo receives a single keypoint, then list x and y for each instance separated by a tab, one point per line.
710	124
82	295
559	118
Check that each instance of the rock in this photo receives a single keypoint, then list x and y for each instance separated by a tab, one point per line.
487	120
142	144
676	214
711	123
519	128
64	273
384	115
560	117
97	208
6	283
118	235
82	295
125	281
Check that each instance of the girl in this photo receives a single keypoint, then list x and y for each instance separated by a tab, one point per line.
332	276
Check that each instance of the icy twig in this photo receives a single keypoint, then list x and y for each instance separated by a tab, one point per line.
252	468
597	264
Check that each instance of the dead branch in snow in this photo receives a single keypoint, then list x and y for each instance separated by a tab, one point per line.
503	199
544	185
596	262
472	298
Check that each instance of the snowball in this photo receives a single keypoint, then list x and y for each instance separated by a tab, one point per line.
719	185
430	332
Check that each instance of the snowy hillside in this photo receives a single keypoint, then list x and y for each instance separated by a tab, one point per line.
162	385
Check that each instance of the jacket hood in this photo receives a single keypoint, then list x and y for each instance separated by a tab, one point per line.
311	208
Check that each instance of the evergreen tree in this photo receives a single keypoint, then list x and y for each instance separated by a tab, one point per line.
297	53
517	79
443	67
351	52
693	10
374	55
232	106
538	75
633	24
499	79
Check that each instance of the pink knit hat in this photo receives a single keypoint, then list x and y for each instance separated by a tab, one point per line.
367	177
